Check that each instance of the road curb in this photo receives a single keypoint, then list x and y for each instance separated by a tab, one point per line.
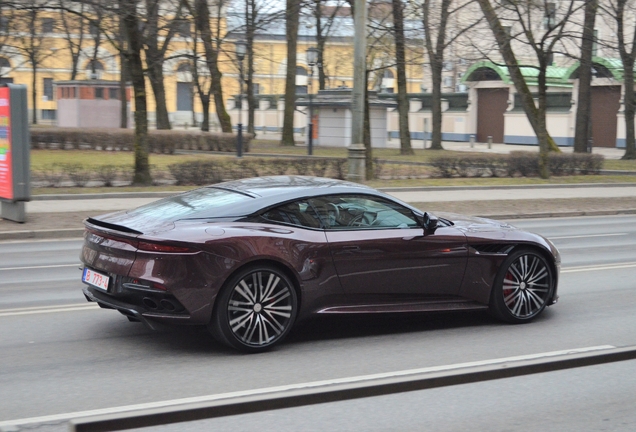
50	234
42	234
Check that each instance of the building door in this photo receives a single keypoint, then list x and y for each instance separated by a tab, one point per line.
184	96
491	105
605	103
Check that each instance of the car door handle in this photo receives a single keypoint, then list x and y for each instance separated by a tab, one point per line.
351	248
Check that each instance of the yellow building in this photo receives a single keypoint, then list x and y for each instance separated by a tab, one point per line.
49	37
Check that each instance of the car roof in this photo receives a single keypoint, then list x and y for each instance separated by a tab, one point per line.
289	185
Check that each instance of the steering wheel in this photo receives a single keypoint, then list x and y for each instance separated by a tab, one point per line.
333	209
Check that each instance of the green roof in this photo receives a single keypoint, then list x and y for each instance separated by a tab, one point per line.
556	76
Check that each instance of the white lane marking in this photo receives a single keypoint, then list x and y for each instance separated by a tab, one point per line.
314	384
598	267
41	267
52	309
587	236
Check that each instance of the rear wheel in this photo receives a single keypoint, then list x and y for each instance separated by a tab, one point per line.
255	310
522	288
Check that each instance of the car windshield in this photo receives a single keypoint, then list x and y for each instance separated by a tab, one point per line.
189	204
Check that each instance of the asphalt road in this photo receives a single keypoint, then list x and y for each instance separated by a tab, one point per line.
60	355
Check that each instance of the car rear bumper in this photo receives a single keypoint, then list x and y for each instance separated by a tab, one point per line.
134	312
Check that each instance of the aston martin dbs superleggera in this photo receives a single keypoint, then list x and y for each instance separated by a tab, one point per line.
249	258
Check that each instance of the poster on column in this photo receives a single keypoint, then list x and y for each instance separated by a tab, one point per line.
6	174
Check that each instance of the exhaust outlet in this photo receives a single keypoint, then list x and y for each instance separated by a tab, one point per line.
150	303
168	305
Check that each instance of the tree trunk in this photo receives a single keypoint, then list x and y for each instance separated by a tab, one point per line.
202	21
155	75
34	95
544	164
436	60
123	77
527	101
128	9
581	136
366	135
630	102
400	59
436	108
291	27
250	12
205	104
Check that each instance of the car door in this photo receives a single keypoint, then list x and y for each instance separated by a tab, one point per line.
379	249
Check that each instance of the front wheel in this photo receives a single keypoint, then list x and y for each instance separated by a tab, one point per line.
522	288
255	310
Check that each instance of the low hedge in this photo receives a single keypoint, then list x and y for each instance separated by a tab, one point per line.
196	173
517	163
159	141
213	171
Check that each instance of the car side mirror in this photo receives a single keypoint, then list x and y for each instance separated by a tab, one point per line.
428	222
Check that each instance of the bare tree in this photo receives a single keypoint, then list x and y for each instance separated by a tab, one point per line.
291	29
400	60
582	126
212	40
132	50
30	40
621	12
73	30
163	21
437	39
542	41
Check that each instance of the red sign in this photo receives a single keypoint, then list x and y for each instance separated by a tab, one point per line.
6	174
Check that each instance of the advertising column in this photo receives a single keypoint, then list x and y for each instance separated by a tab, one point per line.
15	186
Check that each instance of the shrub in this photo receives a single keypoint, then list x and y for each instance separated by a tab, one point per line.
77	173
107	174
159	141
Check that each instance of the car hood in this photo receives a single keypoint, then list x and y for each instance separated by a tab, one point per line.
472	224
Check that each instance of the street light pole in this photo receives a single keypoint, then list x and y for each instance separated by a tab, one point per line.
312	58
241	48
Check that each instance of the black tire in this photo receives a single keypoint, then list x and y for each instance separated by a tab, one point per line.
523	287
255	309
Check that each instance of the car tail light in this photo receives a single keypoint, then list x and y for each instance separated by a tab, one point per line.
157	247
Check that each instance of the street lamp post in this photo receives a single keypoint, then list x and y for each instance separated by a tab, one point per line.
312	59
241	48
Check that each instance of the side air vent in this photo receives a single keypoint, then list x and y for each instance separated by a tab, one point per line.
493	248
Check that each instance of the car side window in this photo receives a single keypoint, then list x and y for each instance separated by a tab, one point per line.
298	213
352	212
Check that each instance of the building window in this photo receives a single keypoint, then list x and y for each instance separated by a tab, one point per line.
94	69
99	92
4	24
4	63
256	88
49	114
595	44
48	25
48	89
183	29
184	96
549	21
301	80
93	29
113	93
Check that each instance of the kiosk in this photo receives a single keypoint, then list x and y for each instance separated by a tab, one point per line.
15	184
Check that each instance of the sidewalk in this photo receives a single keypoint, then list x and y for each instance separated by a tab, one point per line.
57	216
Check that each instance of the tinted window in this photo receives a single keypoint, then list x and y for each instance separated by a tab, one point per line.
189	203
350	212
295	213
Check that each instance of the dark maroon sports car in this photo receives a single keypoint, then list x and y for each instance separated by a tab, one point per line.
249	258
